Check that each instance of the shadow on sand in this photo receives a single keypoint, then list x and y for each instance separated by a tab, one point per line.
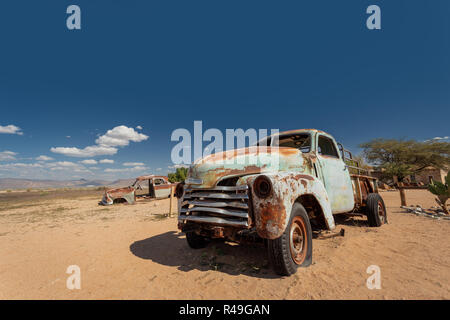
171	249
342	219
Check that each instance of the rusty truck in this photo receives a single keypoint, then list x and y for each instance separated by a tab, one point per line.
236	196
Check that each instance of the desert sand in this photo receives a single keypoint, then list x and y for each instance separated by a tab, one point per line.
135	252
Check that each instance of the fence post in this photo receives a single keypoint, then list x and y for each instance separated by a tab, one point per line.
171	201
402	196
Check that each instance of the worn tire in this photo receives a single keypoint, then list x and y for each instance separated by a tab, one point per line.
375	210
287	254
196	241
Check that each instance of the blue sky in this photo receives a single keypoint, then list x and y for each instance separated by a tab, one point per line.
232	64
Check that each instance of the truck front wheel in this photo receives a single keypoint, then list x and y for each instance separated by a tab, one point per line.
375	210
294	247
196	241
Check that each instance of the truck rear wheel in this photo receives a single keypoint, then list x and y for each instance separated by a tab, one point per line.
375	210
294	248
196	241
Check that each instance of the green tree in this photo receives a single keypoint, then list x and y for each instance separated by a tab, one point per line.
442	191
362	162
179	175
404	157
399	170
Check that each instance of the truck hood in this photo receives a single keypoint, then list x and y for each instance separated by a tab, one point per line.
208	171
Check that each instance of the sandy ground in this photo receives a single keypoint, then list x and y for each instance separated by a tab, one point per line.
134	252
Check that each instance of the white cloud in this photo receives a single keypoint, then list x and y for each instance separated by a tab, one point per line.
11	129
134	169
44	158
441	138
89	161
87	152
158	169
67	166
120	137
106	144
46	165
7	155
133	164
106	161
59	170
437	139
19	166
139	127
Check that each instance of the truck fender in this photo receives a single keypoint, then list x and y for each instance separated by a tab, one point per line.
272	213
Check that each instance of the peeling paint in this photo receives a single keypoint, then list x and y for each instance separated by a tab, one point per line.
272	214
245	161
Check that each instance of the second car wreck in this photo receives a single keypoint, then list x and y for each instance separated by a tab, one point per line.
239	195
144	187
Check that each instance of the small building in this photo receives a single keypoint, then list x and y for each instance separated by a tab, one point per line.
423	177
428	174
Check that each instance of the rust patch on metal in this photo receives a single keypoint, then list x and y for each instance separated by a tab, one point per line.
271	218
218	173
303	176
119	191
304	183
230	154
152	176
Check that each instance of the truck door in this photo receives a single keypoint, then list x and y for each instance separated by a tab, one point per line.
335	175
162	188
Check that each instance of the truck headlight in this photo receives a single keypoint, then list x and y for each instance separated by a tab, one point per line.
179	189
262	187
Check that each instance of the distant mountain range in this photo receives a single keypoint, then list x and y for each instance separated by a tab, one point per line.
13	184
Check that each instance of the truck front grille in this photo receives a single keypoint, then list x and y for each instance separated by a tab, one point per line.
226	206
